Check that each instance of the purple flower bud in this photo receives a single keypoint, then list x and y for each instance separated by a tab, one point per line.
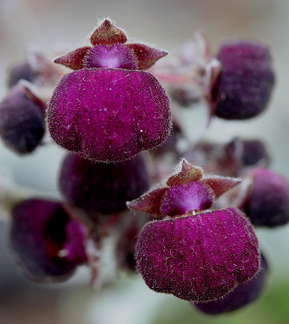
243	295
109	115
245	81
22	123
267	201
102	188
247	152
46	242
19	72
199	257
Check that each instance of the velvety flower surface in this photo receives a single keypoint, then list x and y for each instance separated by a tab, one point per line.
243	295
109	114
102	188
245	81
267	201
22	123
199	257
108	110
45	241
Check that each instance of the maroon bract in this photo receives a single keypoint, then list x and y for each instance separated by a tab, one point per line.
108	110
199	257
245	82
46	242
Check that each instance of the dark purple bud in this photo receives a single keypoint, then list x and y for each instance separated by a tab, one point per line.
22	71
45	241
199	257
116	56
109	115
241	296
22	123
247	152
102	188
267	201
245	81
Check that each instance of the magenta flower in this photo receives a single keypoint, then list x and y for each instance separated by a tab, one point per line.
109	110
199	257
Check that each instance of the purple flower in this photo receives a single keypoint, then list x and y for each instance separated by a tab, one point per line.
241	296
109	110
267	199
22	123
199	257
45	241
245	82
102	188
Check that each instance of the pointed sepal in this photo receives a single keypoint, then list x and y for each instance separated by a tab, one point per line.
221	184
147	56
107	34
187	174
149	203
74	59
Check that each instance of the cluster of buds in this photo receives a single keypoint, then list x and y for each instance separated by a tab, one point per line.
192	236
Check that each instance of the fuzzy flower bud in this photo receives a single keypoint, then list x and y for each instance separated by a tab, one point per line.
246	80
22	123
198	257
102	188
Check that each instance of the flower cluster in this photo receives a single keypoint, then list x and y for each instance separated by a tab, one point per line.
191	236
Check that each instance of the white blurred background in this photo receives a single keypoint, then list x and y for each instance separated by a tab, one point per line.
167	24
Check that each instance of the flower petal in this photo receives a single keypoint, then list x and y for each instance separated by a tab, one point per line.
109	115
198	258
182	199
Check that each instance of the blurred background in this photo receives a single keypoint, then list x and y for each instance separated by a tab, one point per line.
167	24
